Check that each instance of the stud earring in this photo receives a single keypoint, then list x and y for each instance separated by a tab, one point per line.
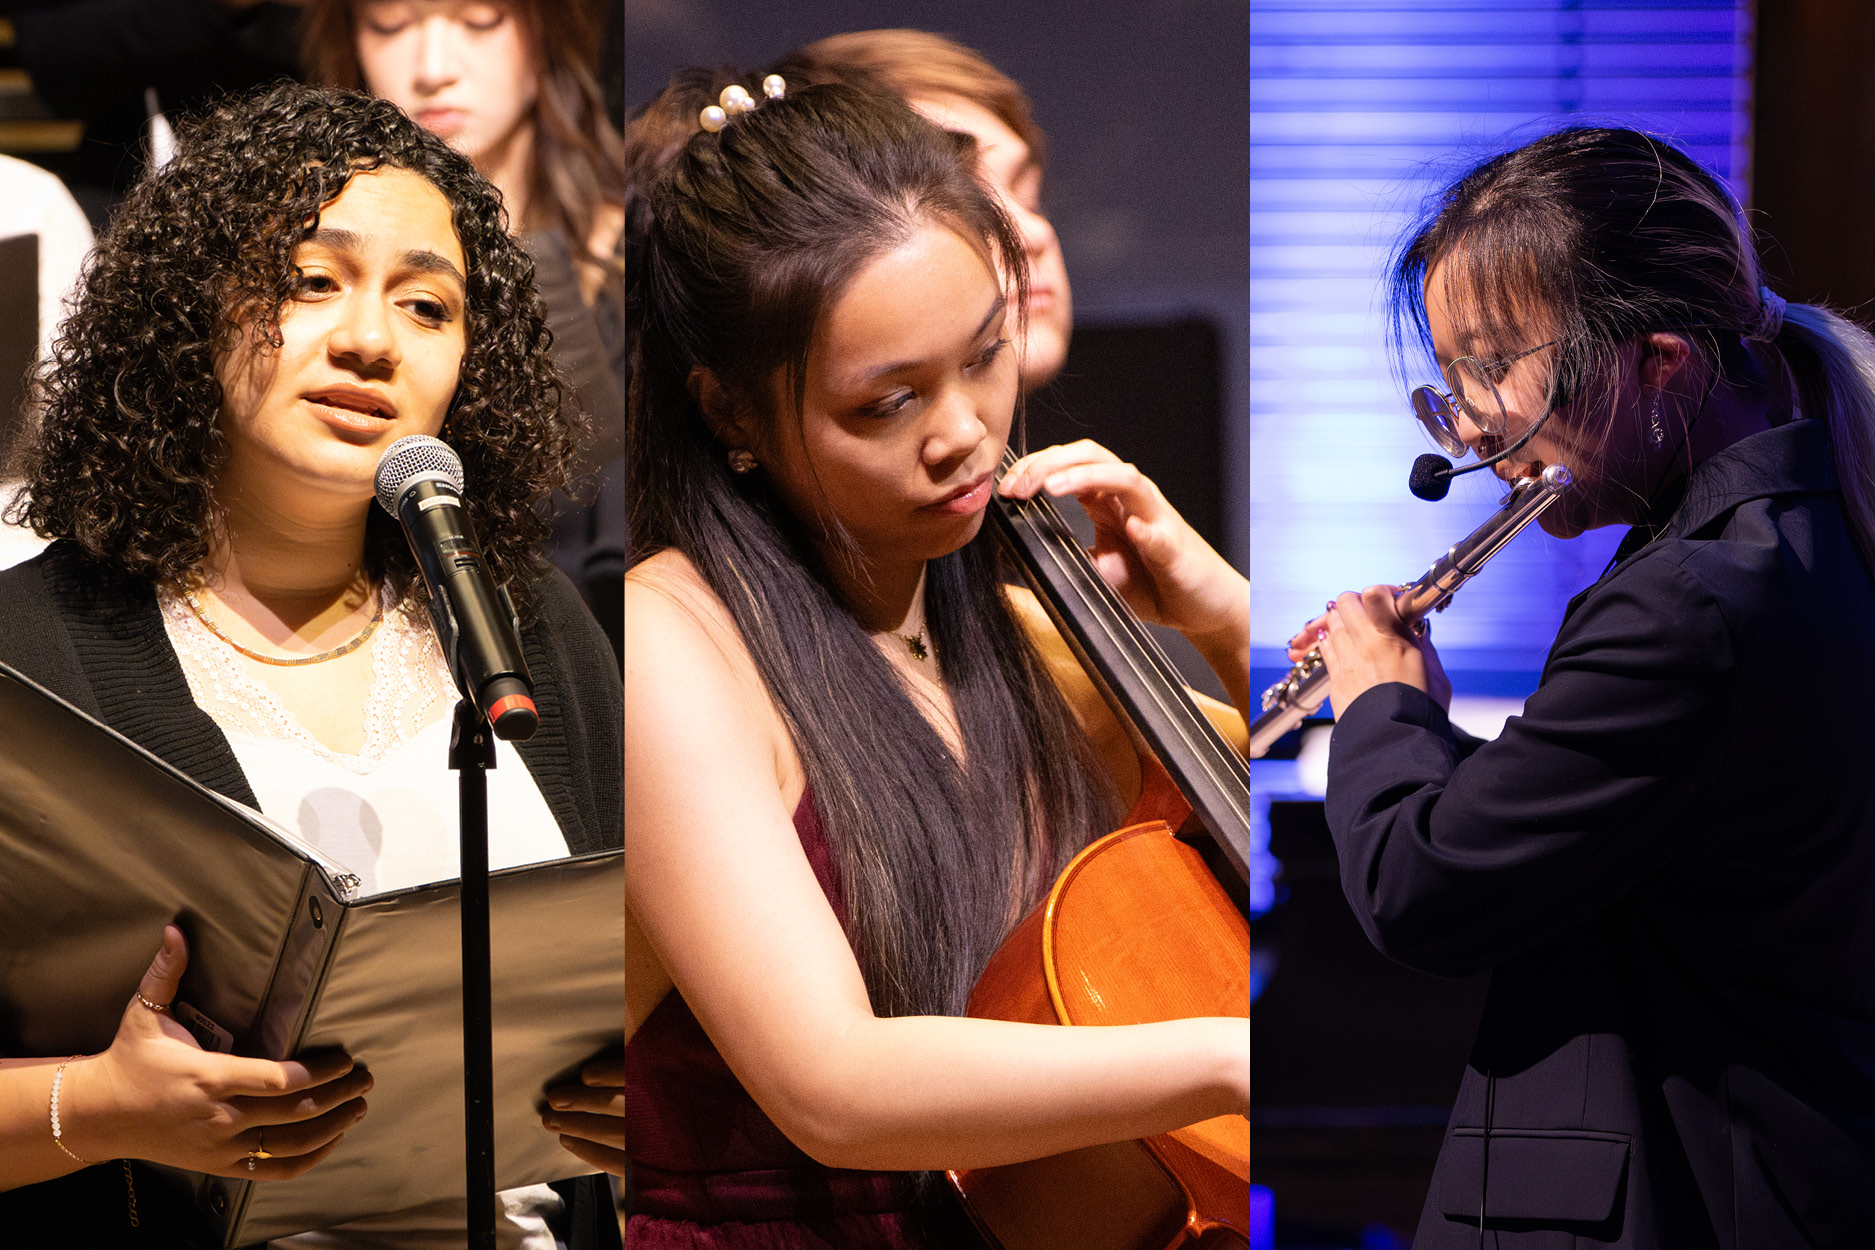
741	461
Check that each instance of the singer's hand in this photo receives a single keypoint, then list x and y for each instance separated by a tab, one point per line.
1144	549
156	1094
1365	644
590	1116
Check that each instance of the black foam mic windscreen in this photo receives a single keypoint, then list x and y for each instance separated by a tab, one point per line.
1431	477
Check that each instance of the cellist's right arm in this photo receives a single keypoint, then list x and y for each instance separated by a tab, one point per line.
720	890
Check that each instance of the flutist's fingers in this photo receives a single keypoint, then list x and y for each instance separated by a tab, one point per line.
1382	605
1378	603
1309	635
1306	637
1366	644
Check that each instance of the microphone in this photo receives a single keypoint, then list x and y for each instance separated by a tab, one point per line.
419	481
1431	478
1432	474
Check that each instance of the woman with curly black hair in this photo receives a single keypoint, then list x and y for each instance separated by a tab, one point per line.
514	86
311	278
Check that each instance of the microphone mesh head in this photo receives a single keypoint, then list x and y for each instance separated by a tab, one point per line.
412	459
1431	478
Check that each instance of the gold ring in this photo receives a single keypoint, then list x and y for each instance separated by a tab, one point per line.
260	1149
156	1007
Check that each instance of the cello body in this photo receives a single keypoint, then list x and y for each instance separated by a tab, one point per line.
1135	930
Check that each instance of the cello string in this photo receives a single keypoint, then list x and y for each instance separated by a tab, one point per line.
1225	771
1196	730
1054	537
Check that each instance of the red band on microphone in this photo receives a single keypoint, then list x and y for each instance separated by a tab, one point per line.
508	703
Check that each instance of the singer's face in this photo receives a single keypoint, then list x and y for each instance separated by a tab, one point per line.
371	344
910	391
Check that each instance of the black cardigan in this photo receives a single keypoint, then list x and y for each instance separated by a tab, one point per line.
95	637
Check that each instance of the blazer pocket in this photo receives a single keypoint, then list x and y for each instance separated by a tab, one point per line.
1556	1176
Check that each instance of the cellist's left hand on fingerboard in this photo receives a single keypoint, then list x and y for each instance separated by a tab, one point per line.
1144	549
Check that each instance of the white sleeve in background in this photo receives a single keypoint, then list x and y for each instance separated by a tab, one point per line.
34	201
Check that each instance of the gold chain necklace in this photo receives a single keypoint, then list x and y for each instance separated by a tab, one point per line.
195	606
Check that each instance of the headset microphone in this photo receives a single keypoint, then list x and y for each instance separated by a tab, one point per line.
1432	474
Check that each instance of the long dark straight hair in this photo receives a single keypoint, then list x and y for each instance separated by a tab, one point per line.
579	156
1609	234
751	235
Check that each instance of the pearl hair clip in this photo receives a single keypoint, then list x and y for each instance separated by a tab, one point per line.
736	100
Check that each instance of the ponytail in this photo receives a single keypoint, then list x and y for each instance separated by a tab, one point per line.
1832	364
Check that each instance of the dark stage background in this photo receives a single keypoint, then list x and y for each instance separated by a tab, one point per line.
1813	155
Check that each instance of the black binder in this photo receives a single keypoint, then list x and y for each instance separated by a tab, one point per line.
102	843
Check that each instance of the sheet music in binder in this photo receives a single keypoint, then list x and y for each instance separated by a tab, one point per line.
102	843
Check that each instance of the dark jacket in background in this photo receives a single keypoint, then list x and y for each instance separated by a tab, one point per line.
1668	863
588	540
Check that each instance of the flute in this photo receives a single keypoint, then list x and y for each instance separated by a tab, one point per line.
1302	690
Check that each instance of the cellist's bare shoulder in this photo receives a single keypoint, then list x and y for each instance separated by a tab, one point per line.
709	770
679	635
670	577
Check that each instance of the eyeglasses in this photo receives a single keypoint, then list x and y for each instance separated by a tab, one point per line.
1473	391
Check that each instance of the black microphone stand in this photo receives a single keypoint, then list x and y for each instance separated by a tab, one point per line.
471	755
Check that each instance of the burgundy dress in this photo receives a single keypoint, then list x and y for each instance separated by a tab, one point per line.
710	1171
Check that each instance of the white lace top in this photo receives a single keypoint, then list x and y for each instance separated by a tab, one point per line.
410	687
389	815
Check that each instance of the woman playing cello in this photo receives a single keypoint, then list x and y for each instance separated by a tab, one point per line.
848	770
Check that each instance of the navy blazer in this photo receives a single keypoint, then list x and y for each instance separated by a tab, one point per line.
1668	863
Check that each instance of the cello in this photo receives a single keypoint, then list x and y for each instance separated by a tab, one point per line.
1137	928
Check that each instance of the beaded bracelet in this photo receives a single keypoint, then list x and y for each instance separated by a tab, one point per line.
58	1139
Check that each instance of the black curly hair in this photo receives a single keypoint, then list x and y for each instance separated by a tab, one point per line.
124	456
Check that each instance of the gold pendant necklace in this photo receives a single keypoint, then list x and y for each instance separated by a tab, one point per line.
915	644
195	606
